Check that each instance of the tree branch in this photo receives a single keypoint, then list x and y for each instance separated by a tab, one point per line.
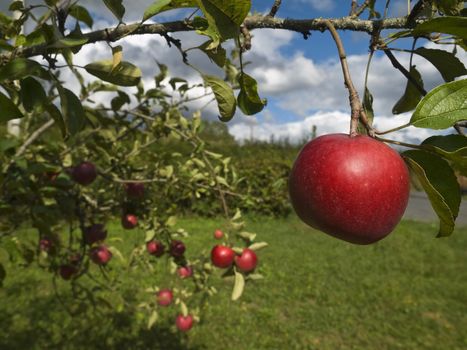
251	22
34	136
274	8
355	105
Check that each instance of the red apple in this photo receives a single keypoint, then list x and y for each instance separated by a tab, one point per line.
84	173
67	271
355	189
247	261
185	271
184	323
218	234
94	233
164	297
129	221
155	248
100	255
177	248
46	244
222	256
135	189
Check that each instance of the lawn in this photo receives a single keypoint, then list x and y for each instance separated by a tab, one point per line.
407	292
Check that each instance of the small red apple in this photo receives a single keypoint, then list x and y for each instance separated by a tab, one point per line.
100	255
352	188
134	189
84	173
164	297
94	233
156	248
185	271
46	244
247	261
184	323
129	221
67	271
222	256
218	234
177	248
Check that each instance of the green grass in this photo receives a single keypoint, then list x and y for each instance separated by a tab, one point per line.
407	292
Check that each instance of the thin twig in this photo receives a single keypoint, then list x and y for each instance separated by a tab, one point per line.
362	8
355	104
353	7
34	136
274	8
404	71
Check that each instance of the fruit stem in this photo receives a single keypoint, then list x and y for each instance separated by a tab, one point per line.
355	104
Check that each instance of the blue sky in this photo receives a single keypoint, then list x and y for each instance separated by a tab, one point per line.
301	79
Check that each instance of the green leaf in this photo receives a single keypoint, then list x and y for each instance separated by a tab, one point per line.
155	8
152	319
125	74
72	110
442	107
69	42
448	24
33	96
224	17
2	274
56	115
217	55
16	6
440	183
224	96
411	96
116	7
20	68
81	14
258	246
117	54
450	7
118	101
248	99
239	285
446	62
8	110
451	147
367	105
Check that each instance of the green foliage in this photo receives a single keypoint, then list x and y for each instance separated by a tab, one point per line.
412	94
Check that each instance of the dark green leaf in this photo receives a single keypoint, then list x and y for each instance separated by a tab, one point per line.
125	74
442	107
20	68
7	144
8	110
16	6
448	24
118	101
217	54
447	63
440	183
239	285
56	115
248	99
72	110
450	7
451	147
69	42
2	274
33	96
116	7
411	96
155	8
224	96
81	14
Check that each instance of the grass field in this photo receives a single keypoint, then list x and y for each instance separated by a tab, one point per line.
407	292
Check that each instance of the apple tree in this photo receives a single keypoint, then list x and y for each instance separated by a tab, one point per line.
70	166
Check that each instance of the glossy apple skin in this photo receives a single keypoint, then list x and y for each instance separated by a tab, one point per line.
164	297
222	256
185	271
247	261
155	248
183	323
129	221
355	189
135	189
94	233
84	173
218	234
100	255
177	248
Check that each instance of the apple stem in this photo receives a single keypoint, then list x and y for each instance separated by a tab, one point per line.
356	109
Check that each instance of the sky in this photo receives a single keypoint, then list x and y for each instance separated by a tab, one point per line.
301	79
